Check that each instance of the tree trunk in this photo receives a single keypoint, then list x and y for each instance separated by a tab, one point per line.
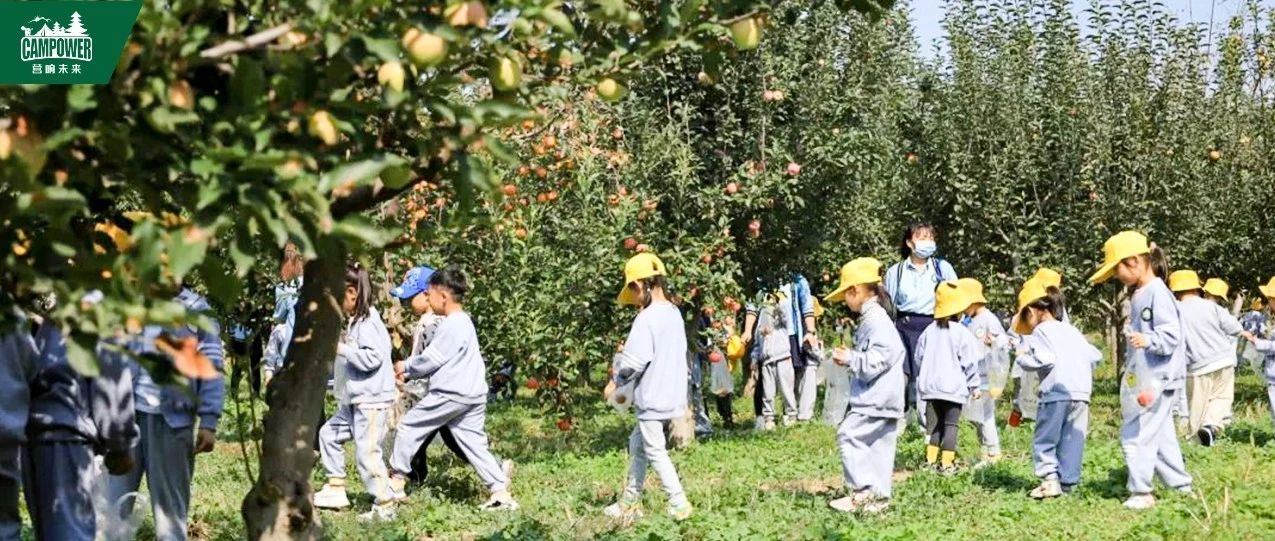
279	506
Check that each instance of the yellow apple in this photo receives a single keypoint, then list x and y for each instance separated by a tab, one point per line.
391	75
505	74
746	33
323	127
427	49
610	89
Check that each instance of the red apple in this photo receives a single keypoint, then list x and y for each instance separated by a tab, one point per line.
1145	397
715	357
794	169
643	248
630	243
533	383
521	233
649	204
707	259
552	382
511	190
564	424
732	188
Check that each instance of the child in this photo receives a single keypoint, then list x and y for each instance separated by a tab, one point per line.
948	378
457	395
73	418
1209	335
1059	354
17	365
365	390
655	357
165	418
1265	344
868	436
773	354
286	293
987	329
1155	367
1026	384
414	292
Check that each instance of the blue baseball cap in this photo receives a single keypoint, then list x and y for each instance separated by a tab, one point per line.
414	283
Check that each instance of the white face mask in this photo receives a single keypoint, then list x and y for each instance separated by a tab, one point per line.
924	249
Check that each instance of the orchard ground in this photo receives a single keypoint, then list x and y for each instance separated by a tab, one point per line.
775	485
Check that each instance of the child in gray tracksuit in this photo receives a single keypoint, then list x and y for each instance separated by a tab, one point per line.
457	394
1264	342
73	418
17	364
1063	361
986	328
868	436
948	354
365	389
655	357
773	355
1209	334
166	420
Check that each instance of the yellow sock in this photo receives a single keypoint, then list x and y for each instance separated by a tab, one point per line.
949	458
931	454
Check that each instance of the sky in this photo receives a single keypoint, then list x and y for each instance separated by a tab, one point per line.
928	14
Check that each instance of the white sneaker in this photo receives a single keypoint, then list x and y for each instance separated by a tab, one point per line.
1139	502
331	497
1186	489
398	489
500	501
1049	488
759	424
875	507
379	513
628	508
770	425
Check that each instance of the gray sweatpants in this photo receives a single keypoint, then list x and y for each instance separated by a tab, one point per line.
778	375
1270	395
467	423
867	446
10	485
981	413
166	456
58	483
1058	445
1151	448
647	447
807	389
366	425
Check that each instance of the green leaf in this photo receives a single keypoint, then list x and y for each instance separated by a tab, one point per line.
166	119
51	201
184	253
358	229
81	354
559	20
81	98
497	147
223	287
332	42
358	172
385	48
248	88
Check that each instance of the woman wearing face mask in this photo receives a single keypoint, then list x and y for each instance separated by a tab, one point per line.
911	284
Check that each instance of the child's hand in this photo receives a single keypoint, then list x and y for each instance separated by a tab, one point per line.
978	394
840	355
400	371
118	463
1138	340
205	440
1252	339
608	390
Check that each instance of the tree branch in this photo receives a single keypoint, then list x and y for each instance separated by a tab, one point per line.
366	197
256	40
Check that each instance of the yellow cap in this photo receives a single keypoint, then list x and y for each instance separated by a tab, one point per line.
865	270
1217	287
1184	280
1269	289
1048	277
734	348
973	289
1032	291
1120	246
818	307
1256	304
949	300
638	267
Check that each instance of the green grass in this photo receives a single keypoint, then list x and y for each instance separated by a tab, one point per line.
748	485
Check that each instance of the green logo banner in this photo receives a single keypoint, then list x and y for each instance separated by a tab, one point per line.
63	41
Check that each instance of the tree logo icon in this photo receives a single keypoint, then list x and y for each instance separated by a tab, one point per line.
51	40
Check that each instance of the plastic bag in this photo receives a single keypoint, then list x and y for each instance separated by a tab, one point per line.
1139	388
721	382
114	521
836	399
622	398
1028	394
998	367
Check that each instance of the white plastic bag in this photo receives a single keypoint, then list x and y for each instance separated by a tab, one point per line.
998	367
721	382
114	523
1028	393
622	398
1139	388
836	399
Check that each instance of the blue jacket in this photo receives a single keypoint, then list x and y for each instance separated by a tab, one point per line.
69	407
876	365
176	405
949	363
17	365
1063	359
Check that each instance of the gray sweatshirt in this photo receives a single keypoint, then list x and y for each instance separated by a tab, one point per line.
876	365
949	363
17	365
655	356
453	362
985	323
365	357
1154	313
771	333
1064	360
1210	333
67	407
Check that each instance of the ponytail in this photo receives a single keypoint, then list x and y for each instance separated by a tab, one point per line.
883	298
1053	302
1159	262
356	277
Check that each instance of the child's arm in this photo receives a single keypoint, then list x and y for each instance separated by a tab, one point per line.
276	347
442	348
212	392
1228	323
1166	331
639	351
870	363
112	405
372	349
1033	356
